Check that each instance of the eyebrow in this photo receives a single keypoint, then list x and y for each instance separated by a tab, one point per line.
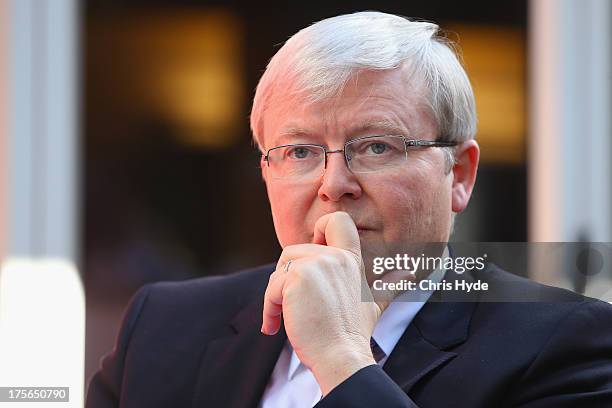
295	131
380	126
384	125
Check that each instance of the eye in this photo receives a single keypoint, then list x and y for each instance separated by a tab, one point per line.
300	152
378	147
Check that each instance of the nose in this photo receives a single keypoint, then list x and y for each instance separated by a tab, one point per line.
338	181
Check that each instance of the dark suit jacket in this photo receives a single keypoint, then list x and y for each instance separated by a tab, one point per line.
198	344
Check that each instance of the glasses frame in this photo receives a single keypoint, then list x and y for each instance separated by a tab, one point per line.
407	143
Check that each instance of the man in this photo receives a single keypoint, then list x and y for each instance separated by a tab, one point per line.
366	124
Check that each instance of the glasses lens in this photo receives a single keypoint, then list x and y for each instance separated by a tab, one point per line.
376	153
296	161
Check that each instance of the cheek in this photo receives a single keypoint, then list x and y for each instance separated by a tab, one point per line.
290	206
414	208
435	208
397	202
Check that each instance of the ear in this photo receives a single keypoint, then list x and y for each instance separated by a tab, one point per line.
467	155
264	169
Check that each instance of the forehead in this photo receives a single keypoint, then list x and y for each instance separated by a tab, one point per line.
372	102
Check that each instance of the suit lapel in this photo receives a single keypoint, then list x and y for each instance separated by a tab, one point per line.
236	367
439	326
412	358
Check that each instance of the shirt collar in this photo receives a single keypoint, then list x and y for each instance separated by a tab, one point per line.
399	314
294	363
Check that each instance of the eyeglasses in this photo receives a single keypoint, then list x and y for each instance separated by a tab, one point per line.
367	154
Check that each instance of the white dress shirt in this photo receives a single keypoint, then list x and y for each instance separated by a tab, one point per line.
292	385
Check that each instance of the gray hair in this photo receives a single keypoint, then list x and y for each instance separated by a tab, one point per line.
318	61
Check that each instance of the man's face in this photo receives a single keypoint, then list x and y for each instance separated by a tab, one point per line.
411	202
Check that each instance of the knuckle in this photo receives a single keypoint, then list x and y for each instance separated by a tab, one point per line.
298	270
290	290
329	261
290	249
351	259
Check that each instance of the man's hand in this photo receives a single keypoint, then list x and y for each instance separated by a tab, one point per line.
319	294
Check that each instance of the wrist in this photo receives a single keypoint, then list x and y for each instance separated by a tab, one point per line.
337	365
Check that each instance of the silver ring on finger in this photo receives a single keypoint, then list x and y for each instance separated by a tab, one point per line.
287	265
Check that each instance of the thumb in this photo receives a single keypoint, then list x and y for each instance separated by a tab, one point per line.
337	229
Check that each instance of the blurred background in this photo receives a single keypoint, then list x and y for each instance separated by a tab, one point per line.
126	149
